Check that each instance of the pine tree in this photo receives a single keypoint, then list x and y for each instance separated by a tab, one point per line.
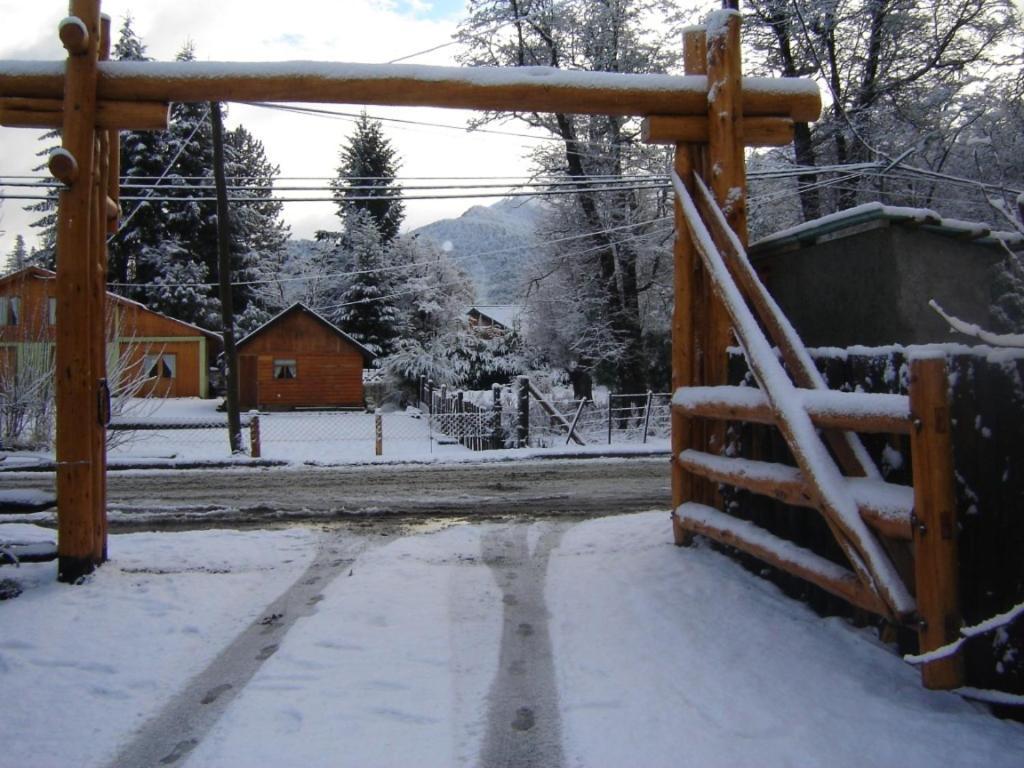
18	257
366	307
259	235
144	158
368	168
45	254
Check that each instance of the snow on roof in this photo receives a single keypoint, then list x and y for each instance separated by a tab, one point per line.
506	315
810	231
298	306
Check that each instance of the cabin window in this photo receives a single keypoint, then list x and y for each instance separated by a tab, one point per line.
161	366
10	310
284	369
51	314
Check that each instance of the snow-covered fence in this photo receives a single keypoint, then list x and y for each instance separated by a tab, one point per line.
620	419
474	420
304	436
987	414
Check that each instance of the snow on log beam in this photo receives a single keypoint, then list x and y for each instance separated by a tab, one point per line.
527	89
829	409
779	553
886	507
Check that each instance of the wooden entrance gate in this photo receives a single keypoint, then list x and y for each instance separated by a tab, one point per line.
711	114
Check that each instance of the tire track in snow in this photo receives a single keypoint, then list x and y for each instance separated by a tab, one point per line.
524	728
170	736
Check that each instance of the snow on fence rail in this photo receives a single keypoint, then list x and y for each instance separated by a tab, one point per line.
987	411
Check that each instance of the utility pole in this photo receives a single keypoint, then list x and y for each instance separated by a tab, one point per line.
227	310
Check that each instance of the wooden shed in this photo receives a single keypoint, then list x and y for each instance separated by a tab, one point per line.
864	276
298	359
173	355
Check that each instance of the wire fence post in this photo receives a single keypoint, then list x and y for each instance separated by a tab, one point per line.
378	425
523	426
575	420
647	414
610	410
254	434
496	431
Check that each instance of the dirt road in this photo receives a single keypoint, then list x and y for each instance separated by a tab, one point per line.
282	495
487	490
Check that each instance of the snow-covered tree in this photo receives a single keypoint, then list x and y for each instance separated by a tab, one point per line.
144	158
44	254
900	76
604	271
18	257
258	232
369	165
365	307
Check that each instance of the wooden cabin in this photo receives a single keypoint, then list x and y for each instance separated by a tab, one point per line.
172	355
300	360
495	319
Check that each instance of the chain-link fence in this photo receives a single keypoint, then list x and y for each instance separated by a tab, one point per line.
310	436
619	419
460	422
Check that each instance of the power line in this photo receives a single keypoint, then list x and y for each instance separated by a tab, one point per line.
400	267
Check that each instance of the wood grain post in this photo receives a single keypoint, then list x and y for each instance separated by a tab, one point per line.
378	429
935	520
255	446
98	315
78	416
727	178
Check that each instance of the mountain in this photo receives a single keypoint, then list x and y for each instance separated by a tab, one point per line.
490	243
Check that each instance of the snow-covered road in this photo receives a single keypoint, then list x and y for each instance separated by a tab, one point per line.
545	642
483	489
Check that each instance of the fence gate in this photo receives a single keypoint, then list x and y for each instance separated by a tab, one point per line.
718	294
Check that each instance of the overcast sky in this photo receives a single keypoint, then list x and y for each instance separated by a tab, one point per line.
242	30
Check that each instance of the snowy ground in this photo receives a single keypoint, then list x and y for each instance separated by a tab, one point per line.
323	437
549	643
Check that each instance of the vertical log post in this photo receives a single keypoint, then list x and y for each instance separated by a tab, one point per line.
702	294
683	347
523	423
98	315
255	447
77	339
726	177
935	523
378	429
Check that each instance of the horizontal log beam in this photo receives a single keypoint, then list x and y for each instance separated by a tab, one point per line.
23	112
521	89
853	411
778	553
757	131
886	507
